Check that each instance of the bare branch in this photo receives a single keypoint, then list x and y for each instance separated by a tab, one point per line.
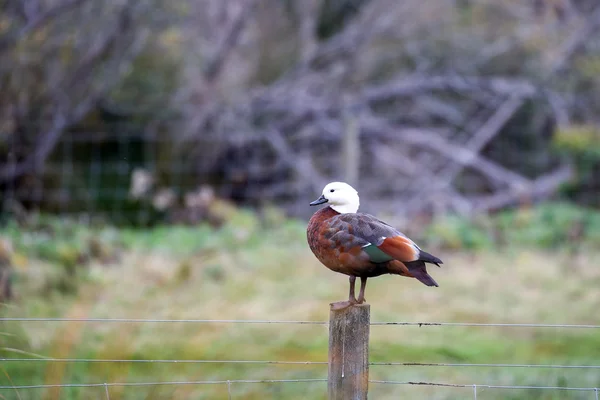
68	108
37	21
463	156
229	40
487	132
301	165
541	188
307	11
575	42
415	84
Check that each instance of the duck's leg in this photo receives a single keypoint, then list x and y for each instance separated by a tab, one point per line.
351	295
340	305
361	294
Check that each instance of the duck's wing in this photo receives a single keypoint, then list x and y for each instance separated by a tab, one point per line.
379	240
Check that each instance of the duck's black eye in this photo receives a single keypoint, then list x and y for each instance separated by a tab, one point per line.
332	190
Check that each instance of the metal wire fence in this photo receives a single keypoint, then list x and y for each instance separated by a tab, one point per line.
92	172
476	388
129	174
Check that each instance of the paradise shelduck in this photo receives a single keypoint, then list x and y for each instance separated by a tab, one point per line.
360	245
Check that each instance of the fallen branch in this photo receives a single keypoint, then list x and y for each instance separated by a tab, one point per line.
479	140
540	188
415	84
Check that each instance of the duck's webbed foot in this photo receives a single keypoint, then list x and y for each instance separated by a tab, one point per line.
340	305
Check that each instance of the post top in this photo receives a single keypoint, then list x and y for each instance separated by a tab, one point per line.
343	306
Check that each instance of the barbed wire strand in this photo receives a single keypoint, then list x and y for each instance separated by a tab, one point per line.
236	321
138	320
556	366
375	363
166	383
461	385
475	387
507	325
163	361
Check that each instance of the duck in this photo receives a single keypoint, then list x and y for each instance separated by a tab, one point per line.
360	245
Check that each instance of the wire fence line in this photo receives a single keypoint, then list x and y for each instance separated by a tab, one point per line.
168	361
165	383
477	388
94	174
276	362
292	322
139	320
475	324
91	173
486	386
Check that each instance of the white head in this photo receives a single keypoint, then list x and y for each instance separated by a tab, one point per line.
340	196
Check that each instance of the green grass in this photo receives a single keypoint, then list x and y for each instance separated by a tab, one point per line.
253	269
547	226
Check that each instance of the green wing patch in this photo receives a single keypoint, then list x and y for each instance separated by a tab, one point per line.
376	255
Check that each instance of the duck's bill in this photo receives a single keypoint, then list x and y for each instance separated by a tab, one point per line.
318	201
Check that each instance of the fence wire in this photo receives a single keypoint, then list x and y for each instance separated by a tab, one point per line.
275	362
166	383
477	388
292	322
229	382
486	386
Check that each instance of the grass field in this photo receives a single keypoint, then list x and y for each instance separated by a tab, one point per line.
262	269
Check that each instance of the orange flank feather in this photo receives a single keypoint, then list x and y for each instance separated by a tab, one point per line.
400	247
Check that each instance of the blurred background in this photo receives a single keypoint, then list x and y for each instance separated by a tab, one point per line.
157	159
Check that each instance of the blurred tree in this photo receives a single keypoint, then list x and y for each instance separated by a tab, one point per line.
61	60
454	103
425	75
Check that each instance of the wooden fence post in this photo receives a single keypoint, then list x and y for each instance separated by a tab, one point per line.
348	375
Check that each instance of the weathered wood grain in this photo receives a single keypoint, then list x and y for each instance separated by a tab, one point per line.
348	375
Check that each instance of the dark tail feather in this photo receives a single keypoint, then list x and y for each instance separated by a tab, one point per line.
429	258
419	271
